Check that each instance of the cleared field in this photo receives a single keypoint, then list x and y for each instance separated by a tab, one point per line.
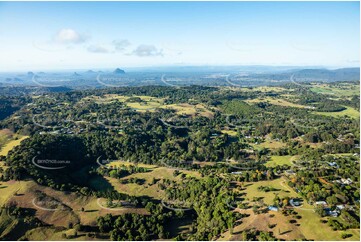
5	136
265	89
188	109
280	160
342	90
11	144
273	101
49	233
313	229
80	208
351	112
140	103
279	184
282	228
10	188
146	189
148	103
310	227
270	144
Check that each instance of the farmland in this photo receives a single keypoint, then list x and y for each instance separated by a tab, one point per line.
180	160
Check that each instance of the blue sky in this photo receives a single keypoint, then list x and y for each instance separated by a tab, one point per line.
94	35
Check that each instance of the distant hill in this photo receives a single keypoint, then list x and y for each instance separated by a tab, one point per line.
76	74
118	71
315	74
344	74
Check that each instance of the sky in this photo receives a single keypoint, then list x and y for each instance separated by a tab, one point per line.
96	35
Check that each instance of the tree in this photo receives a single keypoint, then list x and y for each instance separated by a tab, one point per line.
331	200
320	210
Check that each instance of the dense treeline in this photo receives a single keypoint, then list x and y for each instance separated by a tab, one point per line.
137	227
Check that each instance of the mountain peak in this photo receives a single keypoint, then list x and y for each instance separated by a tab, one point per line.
118	71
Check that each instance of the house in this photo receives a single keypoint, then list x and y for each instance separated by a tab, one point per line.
295	202
347	181
340	207
273	208
321	203
333	164
331	213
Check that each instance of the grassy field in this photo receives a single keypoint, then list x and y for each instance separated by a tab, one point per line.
280	160
5	136
262	222
279	184
351	112
11	144
274	101
49	233
265	89
310	227
313	229
270	144
10	188
9	140
340	91
146	103
149	103
188	109
146	189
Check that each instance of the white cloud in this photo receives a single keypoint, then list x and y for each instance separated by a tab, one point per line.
70	36
120	45
114	47
147	50
97	49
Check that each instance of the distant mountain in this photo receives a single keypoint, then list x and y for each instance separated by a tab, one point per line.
118	71
314	74
343	74
30	73
76	74
90	72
